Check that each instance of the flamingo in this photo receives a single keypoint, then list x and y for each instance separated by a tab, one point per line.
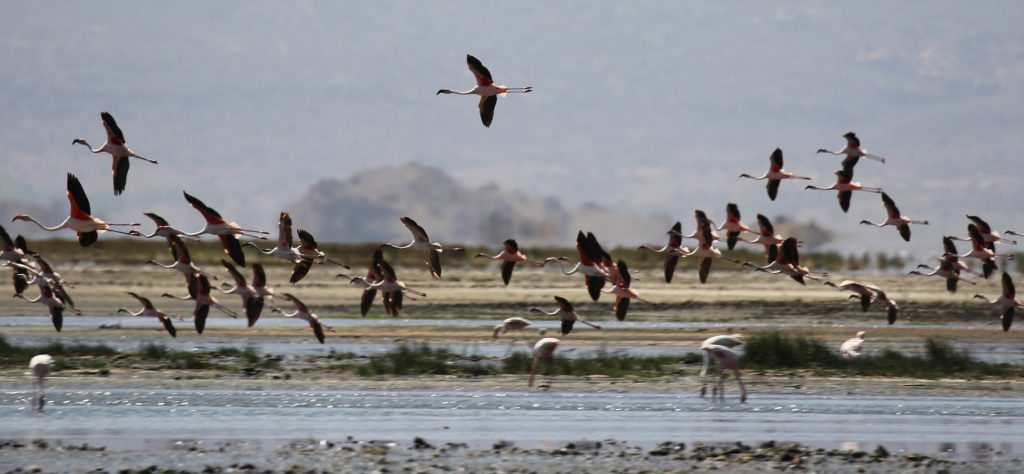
726	359
774	175
866	293
182	260
983	251
949	267
725	340
543	350
302	312
43	272
1007	301
623	293
590	264
891	308
374	274
511	324
9	250
509	256
80	219
990	236
566	314
259	282
851	348
115	145
786	260
392	290
702	219
40	365
199	290
149	310
672	250
53	302
422	242
164	229
901	222
853	150
303	256
845	187
733	225
705	252
766	235
251	299
20	273
486	89
225	230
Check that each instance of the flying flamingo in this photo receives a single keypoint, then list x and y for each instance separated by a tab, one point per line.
727	359
733	225
40	365
672	250
149	310
303	256
705	252
1007	301
702	219
251	299
392	290
623	293
486	89
115	145
860	290
730	341
774	175
259	282
225	230
42	273
983	251
591	263
852	150
891	308
199	290
80	219
9	250
164	229
785	259
374	274
302	312
901	222
511	324
845	186
543	350
182	260
949	267
421	242
509	256
766	235
990	236
851	348
53	302
566	314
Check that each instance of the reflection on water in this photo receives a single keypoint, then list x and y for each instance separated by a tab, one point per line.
965	428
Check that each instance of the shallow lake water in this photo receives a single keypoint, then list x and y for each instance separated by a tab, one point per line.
956	427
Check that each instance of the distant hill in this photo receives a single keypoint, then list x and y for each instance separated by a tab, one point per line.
366	207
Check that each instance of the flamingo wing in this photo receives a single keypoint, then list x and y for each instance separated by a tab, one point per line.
621	308
284	230
624	278
506	270
844	200
86	239
765	225
675	235
367	300
211	215
259	276
982	225
790	251
308	242
483	76
418	233
1007	318
6	239
851	140
773	188
235	274
564	304
434	260
178	249
300	270
159	221
199	316
567	325
253	308
949	246
57	317
233	248
299	305
890	206
705	269
80	208
318	330
169	326
670	266
120	173
486	106
1008	289
904	230
594	286
114	134
511	246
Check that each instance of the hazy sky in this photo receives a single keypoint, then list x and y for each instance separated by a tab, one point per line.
646	106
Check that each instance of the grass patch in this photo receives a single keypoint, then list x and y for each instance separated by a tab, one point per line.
938	359
611	364
68	355
173	358
422	360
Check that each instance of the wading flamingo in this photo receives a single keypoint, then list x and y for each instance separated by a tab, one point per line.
543	351
725	340
851	348
726	359
486	89
40	365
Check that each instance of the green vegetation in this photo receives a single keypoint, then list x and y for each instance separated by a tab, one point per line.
128	251
780	351
69	356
